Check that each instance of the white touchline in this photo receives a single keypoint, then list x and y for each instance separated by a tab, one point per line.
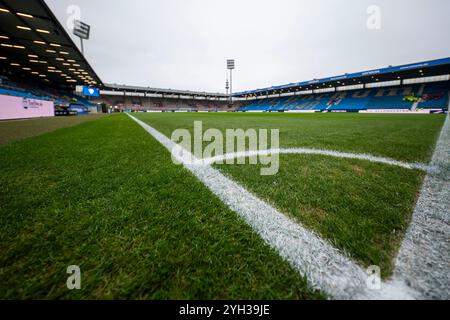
424	258
325	267
331	153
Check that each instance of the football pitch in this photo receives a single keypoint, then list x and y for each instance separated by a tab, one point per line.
106	196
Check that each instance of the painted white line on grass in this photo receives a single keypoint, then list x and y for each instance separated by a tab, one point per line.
325	267
423	262
330	153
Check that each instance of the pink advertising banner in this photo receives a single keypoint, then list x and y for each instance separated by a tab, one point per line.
22	108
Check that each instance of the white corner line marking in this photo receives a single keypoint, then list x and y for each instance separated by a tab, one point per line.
311	151
423	261
325	267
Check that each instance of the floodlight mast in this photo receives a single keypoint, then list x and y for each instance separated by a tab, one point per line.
81	30
231	66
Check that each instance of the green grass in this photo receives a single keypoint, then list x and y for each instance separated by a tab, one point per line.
361	207
15	130
402	137
105	196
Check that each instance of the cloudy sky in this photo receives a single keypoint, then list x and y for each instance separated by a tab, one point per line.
184	44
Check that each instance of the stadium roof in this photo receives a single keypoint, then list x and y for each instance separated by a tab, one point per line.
33	43
148	90
414	70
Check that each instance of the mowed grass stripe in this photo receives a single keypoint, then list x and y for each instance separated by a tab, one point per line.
106	196
15	130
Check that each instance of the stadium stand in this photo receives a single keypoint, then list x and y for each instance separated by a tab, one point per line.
431	96
63	100
11	88
127	103
45	74
434	96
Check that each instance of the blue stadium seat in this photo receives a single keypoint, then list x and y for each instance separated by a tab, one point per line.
435	96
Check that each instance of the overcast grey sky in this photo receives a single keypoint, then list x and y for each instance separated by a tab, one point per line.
183	44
